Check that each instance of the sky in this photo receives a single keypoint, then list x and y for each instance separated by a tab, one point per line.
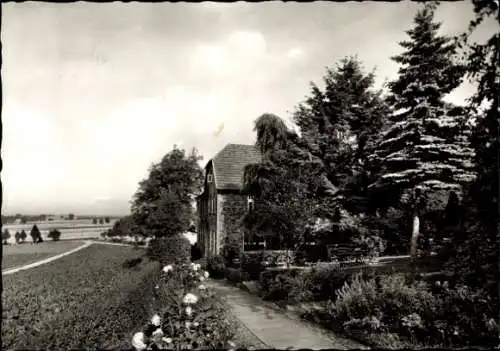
95	93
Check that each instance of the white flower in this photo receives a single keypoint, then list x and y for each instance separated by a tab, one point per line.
188	324
202	278
168	268
232	344
202	287
156	320
158	333
190	299
196	324
167	340
189	311
138	341
195	266
157	287
206	274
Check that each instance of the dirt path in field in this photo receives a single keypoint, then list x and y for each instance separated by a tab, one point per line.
46	260
87	243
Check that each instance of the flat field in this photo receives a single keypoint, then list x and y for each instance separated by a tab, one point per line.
75	229
85	300
18	255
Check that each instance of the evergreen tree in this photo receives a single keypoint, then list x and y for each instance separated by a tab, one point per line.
423	151
36	235
5	236
477	255
23	235
340	125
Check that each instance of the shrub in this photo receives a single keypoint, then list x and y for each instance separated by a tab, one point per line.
277	285
416	313
54	235
216	266
170	250
190	317
5	236
325	281
235	275
195	252
251	263
132	262
23	236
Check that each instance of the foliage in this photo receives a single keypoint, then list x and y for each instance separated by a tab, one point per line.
235	275
424	146
170	250
54	234
339	126
196	253
5	236
23	236
251	263
89	301
215	266
36	235
162	206
476	245
413	311
283	184
125	226
189	315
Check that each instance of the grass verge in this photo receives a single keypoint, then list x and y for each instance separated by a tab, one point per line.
86	300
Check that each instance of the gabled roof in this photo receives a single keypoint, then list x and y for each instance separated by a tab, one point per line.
229	164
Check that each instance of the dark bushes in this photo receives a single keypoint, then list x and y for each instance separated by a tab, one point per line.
174	249
235	275
195	252
251	263
54	235
413	313
216	266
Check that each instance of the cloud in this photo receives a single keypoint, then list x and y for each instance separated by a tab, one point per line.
294	53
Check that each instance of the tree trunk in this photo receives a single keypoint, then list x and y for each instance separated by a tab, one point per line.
414	241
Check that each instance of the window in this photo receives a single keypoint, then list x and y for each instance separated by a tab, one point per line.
250	203
209	178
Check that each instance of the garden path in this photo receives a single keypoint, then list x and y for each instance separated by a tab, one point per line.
274	327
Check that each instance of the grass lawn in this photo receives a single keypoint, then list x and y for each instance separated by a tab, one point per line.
18	255
86	300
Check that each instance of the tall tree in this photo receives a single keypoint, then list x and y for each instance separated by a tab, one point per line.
339	126
478	253
163	204
283	184
423	150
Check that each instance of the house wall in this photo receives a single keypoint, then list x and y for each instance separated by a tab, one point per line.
207	215
231	207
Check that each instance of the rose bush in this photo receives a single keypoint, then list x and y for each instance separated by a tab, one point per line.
189	315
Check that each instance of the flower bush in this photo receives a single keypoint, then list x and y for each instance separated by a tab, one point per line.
414	313
190	316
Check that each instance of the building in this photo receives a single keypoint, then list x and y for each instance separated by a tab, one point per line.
221	205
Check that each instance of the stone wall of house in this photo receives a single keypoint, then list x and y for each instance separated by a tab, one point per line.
230	209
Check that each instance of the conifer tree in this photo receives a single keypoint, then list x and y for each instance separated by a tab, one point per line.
339	125
423	151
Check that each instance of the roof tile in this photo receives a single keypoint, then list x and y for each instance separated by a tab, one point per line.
230	162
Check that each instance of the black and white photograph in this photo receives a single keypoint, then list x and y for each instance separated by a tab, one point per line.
250	175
